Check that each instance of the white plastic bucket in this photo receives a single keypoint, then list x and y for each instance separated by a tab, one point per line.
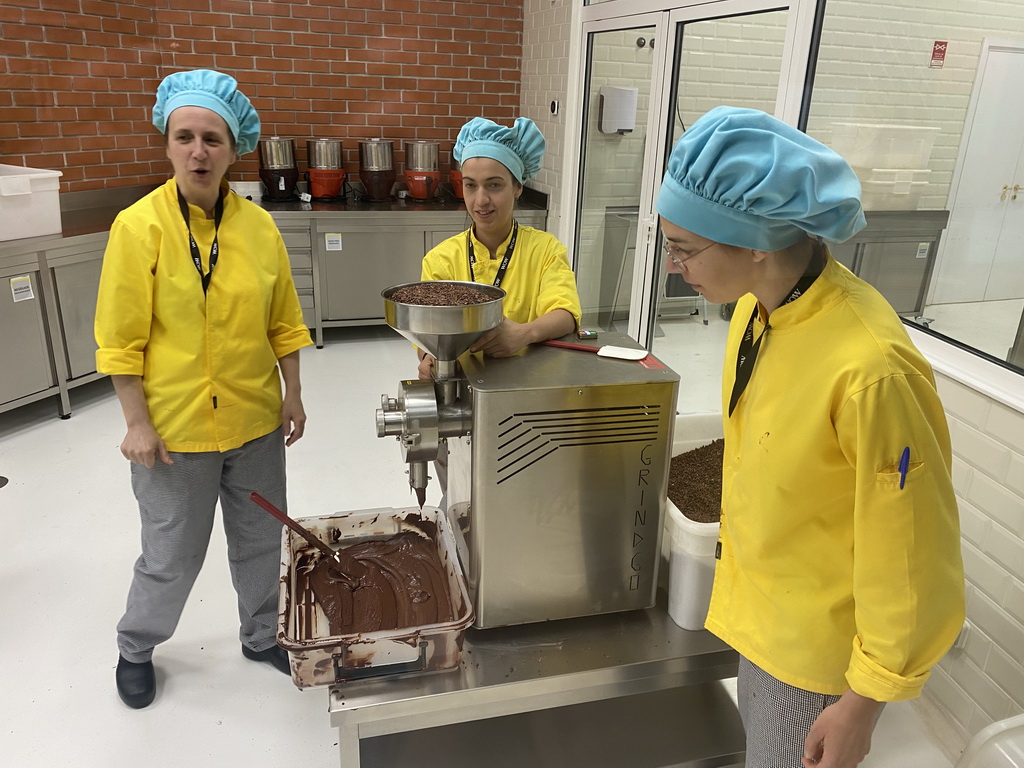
1000	745
691	568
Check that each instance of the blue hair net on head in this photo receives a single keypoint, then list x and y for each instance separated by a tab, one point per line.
214	91
741	177
519	148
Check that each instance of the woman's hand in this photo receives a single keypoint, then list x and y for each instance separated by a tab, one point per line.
425	370
504	340
144	446
141	444
293	418
293	415
841	736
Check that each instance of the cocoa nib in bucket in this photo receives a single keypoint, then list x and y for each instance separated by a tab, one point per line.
695	482
440	294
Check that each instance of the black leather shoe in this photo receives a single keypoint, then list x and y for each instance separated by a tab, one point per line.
136	683
274	655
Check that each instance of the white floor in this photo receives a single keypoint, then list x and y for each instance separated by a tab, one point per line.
73	536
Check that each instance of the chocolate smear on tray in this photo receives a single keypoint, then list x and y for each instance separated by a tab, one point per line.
405	585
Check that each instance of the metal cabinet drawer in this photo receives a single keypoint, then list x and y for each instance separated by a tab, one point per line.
297	243
23	344
297	238
303	279
300	259
77	285
308	304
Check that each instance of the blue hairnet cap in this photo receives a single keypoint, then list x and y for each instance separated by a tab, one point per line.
214	91
519	148
741	177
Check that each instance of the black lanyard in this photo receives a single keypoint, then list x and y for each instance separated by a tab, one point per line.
505	260
748	350
197	259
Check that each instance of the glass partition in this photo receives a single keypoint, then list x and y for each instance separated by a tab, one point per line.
923	99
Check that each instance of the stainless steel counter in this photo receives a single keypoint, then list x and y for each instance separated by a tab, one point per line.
338	279
548	666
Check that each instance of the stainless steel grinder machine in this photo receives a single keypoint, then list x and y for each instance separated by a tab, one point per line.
558	464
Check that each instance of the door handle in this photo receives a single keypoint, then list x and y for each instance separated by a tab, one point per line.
1006	188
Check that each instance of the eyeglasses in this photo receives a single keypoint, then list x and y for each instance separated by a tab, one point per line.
677	256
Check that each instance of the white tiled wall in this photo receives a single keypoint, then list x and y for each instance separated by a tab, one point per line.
546	34
984	681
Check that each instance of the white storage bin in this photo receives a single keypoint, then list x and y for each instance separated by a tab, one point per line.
874	145
900	178
892	195
29	202
691	568
689	545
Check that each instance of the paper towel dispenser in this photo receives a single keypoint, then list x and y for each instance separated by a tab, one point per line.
617	112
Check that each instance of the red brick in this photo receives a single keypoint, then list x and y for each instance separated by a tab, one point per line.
118	26
11	82
33	98
233	63
44	18
22	32
47	126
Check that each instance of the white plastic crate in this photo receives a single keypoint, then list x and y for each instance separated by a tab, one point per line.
892	195
29	202
875	145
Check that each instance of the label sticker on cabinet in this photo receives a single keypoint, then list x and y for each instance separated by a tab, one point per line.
922	250
332	241
21	288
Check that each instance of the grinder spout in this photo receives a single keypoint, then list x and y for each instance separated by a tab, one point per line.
418	480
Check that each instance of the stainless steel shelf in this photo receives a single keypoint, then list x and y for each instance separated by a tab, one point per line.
515	670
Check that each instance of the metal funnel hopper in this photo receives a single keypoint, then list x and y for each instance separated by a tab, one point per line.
444	331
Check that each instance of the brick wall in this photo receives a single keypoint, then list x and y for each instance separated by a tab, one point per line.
78	77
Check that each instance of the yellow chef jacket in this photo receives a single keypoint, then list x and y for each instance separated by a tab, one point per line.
831	576
208	364
537	281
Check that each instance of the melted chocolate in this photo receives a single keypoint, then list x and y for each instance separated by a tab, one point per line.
404	586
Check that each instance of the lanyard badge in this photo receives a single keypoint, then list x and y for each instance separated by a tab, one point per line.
504	261
197	259
749	347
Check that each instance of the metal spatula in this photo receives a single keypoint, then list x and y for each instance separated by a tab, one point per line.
348	567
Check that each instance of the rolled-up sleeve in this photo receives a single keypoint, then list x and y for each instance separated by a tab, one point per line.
285	328
908	573
124	304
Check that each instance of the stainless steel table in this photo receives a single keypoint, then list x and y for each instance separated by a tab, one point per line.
551	666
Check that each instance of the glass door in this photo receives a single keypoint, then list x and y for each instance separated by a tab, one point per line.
620	127
644	78
736	60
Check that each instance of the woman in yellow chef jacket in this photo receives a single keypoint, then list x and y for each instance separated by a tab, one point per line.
529	264
197	323
839	578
